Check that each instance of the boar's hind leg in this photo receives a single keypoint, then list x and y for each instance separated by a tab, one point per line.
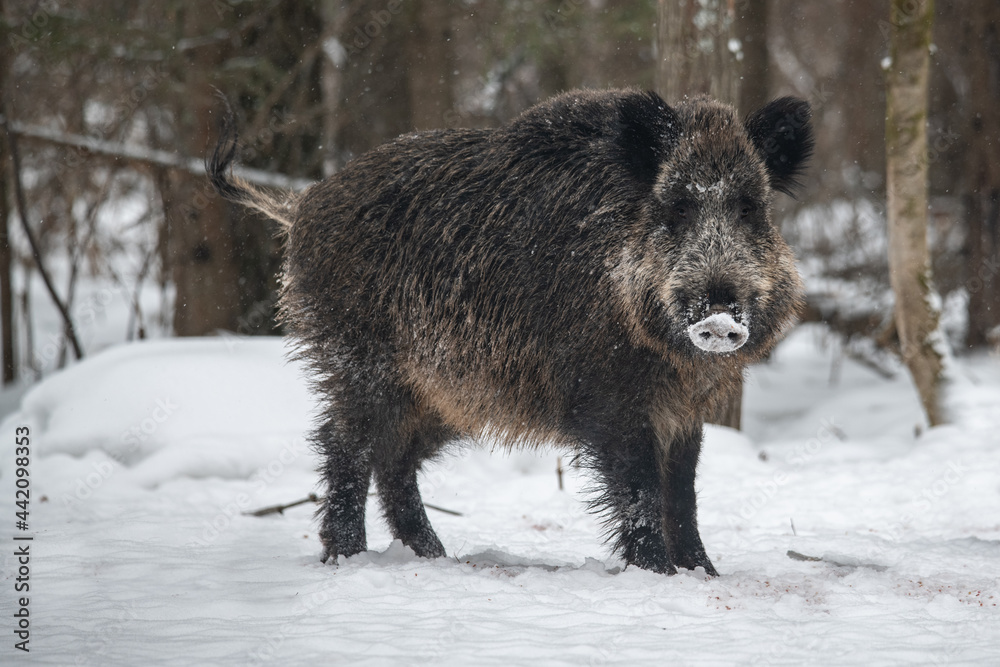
346	470
631	500
680	515
396	481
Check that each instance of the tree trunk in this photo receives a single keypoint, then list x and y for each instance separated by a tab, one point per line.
200	240
373	109
334	59
200	255
6	267
981	35
693	45
432	62
751	26
906	168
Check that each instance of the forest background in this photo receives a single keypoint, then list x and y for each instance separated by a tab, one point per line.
110	107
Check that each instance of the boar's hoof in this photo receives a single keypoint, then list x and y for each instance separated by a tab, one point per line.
426	546
718	333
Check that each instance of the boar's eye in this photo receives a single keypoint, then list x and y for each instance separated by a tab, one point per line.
683	210
747	209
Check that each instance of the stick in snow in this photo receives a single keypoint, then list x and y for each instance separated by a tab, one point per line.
838	562
280	509
313	498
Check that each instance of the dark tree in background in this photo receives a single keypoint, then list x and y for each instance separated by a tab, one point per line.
979	44
200	236
6	288
432	61
751	31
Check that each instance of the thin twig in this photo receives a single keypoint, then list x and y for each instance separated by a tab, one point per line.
135	311
77	252
442	509
36	251
280	509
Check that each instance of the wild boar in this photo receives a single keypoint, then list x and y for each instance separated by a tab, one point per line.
594	275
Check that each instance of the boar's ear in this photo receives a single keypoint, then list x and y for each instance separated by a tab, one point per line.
782	133
647	131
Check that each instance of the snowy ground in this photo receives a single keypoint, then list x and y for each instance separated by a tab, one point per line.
145	456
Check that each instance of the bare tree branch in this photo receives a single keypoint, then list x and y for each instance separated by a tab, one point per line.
36	252
149	156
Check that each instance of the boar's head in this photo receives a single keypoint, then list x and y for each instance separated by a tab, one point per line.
705	269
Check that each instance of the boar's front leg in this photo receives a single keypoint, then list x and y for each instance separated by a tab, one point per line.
680	512
632	498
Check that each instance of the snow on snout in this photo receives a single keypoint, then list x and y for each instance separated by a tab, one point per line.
718	333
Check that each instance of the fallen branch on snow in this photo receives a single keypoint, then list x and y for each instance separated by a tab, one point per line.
838	562
313	498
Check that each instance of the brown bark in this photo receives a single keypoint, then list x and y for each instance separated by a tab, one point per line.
693	49
200	254
200	245
980	31
906	168
334	15
431	63
860	139
374	107
751	27
6	287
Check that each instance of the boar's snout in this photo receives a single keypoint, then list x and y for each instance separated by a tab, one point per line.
719	333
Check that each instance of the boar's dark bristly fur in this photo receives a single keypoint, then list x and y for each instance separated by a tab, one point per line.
595	274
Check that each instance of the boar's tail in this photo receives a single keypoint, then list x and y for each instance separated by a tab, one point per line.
275	205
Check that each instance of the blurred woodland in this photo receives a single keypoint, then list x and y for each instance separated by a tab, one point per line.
110	107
